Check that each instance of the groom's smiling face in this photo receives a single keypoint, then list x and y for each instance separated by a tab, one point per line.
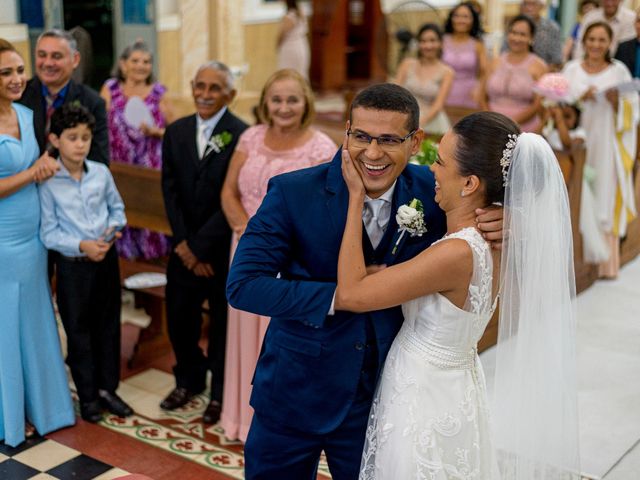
380	165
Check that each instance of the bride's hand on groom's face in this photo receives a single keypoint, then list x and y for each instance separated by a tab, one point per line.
489	221
349	173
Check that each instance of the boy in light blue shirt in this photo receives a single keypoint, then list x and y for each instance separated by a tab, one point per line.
81	214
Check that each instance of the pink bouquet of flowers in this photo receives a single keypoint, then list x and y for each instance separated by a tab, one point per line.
554	87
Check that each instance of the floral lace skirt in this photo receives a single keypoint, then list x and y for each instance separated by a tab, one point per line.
429	418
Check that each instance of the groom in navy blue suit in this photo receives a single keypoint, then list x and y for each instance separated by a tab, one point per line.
316	375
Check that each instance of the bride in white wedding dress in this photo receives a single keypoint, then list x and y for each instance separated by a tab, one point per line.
430	416
429	419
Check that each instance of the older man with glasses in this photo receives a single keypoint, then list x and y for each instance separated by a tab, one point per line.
195	158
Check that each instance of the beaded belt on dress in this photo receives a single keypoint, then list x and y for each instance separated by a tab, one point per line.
435	354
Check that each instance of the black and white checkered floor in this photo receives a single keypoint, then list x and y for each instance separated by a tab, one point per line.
42	459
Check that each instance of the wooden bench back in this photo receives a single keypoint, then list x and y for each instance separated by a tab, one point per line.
630	245
457	113
142	194
572	164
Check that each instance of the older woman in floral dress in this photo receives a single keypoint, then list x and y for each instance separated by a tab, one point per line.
135	145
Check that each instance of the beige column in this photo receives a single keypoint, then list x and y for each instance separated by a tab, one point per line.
226	39
18	35
227	44
495	22
194	38
168	45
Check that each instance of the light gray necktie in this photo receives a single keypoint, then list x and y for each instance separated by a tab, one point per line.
374	220
202	140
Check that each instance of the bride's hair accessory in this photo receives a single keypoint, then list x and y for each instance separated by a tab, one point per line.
505	161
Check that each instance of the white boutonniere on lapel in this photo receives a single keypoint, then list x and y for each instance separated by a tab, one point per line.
410	219
218	142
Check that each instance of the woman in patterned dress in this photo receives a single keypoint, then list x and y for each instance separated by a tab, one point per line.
137	145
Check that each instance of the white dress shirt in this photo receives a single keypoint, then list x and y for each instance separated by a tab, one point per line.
205	128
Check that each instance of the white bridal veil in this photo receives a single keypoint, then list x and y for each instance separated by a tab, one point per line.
535	406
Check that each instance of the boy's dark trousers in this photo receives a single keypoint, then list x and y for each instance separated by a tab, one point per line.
88	296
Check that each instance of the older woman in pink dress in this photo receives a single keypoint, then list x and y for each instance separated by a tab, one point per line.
283	143
509	86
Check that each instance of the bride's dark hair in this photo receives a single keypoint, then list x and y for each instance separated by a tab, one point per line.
482	137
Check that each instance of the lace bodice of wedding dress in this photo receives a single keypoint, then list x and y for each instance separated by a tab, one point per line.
429	418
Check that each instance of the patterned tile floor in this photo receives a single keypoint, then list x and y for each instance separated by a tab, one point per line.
163	445
181	431
154	442
42	459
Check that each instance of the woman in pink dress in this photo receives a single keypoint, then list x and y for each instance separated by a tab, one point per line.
293	43
135	145
464	52
509	86
284	142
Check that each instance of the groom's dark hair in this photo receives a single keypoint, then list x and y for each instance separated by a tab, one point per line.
389	97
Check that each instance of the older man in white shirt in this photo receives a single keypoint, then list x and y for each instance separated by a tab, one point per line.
620	19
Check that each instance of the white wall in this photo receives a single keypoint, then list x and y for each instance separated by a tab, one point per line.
8	12
388	5
166	7
259	11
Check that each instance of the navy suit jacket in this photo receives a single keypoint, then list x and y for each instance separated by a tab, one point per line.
191	188
285	267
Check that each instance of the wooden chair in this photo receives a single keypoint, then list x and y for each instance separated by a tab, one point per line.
153	340
572	165
630	245
141	192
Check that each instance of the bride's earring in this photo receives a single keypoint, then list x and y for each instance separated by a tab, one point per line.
462	193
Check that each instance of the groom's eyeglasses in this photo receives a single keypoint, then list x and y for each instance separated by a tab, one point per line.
386	142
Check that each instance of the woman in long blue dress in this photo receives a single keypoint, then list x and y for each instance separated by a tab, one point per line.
33	384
